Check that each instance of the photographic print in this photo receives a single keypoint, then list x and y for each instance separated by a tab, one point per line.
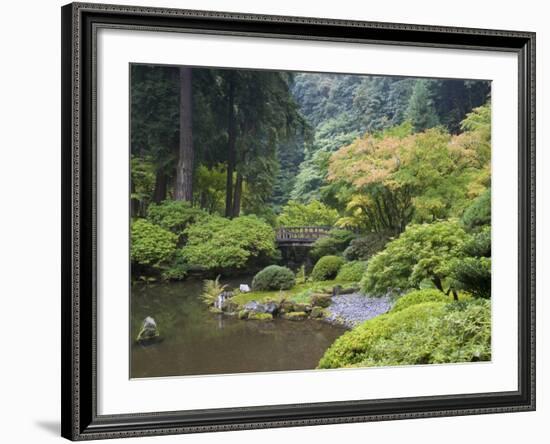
254	201
297	221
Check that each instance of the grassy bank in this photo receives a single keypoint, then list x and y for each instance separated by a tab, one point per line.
300	293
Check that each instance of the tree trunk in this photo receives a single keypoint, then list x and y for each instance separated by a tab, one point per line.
237	196
231	152
455	295
161	182
134	203
438	284
184	170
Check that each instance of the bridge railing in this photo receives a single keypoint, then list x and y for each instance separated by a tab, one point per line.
301	234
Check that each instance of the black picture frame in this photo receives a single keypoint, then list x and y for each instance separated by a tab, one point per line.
80	420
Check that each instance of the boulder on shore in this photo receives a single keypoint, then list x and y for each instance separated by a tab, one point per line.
321	300
256	307
317	312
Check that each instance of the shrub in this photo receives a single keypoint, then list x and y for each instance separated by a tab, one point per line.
473	274
177	270
419	297
479	244
174	215
273	277
326	268
315	213
363	248
479	212
333	244
218	243
352	271
421	252
150	244
427	333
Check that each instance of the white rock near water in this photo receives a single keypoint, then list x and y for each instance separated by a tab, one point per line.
244	288
149	331
149	322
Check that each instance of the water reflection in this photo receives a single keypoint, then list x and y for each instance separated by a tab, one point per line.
199	342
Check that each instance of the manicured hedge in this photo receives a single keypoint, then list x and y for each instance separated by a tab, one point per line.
419	297
326	268
274	277
427	333
150	244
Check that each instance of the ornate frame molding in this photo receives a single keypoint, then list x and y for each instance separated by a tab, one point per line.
79	413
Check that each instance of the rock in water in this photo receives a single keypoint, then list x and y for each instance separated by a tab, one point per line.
272	308
255	307
149	332
244	288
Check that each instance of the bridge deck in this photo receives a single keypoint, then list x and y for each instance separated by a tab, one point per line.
300	236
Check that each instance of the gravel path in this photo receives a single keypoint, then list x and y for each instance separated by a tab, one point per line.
352	309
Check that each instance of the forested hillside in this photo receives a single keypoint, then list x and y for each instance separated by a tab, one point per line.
256	139
341	108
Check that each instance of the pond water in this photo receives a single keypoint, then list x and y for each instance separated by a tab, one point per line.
197	342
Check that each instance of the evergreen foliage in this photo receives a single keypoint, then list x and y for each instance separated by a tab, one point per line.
326	268
363	248
218	243
315	213
351	271
274	277
478	214
174	215
419	297
150	244
421	252
421	110
333	244
427	333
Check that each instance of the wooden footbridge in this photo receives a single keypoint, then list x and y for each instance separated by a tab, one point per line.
299	236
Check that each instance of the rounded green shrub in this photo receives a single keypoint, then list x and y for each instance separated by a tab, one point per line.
217	243
273	277
326	268
150	244
177	270
352	271
174	215
427	333
420	297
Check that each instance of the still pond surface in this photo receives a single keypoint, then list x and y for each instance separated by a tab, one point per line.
197	342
